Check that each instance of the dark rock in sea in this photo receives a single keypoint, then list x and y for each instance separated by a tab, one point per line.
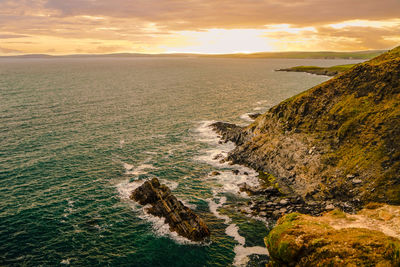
254	116
229	132
235	172
215	173
218	156
180	218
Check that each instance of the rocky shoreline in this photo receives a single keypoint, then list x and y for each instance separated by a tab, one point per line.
321	71
329	150
275	201
326	71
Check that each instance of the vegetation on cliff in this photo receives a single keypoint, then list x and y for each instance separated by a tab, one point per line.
328	71
339	140
337	239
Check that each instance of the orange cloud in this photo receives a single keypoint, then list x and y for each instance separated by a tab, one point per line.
197	25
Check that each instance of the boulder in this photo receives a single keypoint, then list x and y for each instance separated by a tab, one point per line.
180	218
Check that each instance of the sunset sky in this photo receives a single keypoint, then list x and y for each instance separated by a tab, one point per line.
198	26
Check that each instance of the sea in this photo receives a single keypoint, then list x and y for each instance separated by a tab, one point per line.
78	135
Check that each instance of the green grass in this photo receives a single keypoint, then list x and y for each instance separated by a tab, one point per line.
307	241
321	70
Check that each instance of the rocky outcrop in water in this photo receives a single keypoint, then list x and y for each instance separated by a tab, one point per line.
180	218
229	132
254	116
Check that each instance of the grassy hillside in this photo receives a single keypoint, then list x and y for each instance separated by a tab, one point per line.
337	239
339	140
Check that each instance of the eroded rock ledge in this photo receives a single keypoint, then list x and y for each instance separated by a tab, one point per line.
180	218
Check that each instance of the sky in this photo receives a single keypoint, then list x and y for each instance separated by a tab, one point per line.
196	26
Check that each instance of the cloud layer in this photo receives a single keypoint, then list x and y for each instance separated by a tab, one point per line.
147	25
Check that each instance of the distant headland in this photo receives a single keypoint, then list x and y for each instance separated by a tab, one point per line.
285	55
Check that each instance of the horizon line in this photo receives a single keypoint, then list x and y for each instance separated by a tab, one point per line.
186	53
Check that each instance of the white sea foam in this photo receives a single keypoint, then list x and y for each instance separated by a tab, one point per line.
214	209
243	253
261	102
66	262
69	209
233	230
189	205
121	143
229	183
246	117
161	228
171	184
205	133
151	152
141	169
125	188
127	166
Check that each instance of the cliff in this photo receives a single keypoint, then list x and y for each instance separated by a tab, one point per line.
338	140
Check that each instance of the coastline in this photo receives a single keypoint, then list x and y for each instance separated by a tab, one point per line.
326	71
315	156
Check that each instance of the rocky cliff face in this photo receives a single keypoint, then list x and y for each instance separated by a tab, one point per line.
180	218
339	140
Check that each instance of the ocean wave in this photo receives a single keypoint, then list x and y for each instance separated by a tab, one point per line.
205	133
229	178
260	108
242	252
141	169
162	229
261	102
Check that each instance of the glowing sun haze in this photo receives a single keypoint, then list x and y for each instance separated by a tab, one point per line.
196	26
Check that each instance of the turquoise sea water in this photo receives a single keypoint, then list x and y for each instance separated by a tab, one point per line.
77	135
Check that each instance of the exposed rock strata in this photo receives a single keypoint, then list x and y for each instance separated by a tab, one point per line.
180	218
229	132
337	141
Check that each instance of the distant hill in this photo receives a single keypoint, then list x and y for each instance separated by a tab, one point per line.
328	71
306	55
294	55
